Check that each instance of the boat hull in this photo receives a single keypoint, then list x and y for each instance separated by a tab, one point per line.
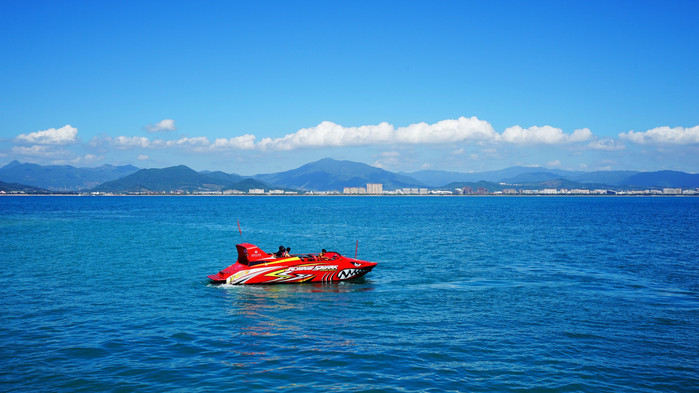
295	269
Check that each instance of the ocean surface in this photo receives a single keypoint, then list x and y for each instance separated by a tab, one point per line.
471	294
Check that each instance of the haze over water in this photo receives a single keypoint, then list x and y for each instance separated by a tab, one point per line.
541	294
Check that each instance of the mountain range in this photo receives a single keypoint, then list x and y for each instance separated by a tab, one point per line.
519	174
327	175
180	178
62	177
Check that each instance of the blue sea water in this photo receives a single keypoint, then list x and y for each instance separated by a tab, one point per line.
471	294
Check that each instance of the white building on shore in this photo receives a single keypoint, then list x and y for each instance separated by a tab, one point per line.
374	188
672	191
354	190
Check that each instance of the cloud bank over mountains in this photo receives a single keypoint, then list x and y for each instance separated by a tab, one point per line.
664	135
455	133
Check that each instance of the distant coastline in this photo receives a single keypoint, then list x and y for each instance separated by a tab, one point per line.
694	193
333	177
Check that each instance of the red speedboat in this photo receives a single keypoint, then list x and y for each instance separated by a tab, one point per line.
255	266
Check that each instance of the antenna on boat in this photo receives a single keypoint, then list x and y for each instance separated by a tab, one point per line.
355	249
239	231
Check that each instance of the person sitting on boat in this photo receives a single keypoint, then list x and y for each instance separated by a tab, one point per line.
286	253
322	255
280	253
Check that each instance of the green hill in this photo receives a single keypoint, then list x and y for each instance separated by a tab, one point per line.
248	184
15	188
177	178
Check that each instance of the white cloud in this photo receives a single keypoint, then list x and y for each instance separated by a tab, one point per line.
449	132
245	142
378	164
86	159
554	164
130	142
581	135
42	151
466	141
196	142
61	136
330	134
606	144
664	136
390	159
445	131
162	126
91	158
543	135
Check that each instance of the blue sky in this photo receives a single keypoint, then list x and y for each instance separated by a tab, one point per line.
266	86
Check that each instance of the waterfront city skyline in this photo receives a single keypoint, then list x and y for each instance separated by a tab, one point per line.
266	87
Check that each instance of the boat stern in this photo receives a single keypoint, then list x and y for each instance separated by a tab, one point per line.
222	276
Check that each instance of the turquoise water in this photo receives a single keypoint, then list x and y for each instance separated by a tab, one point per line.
540	294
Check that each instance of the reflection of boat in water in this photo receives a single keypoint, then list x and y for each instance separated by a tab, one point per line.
255	266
